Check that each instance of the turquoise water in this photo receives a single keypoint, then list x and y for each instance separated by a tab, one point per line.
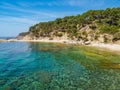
46	66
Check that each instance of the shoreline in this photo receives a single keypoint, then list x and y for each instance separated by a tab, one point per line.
43	40
113	47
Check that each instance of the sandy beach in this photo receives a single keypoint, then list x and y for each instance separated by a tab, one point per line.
114	47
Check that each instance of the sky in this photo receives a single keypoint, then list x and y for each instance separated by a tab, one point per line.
17	16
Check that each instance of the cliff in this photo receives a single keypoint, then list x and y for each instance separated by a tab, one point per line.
92	26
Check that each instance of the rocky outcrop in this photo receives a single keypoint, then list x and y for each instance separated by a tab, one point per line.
85	35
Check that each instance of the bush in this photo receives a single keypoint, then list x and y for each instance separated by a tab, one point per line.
93	27
23	34
109	29
58	34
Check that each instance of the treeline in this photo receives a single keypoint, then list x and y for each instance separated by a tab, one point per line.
106	21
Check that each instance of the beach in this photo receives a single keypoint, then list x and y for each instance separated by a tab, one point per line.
113	47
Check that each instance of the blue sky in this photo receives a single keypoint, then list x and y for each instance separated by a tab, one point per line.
18	15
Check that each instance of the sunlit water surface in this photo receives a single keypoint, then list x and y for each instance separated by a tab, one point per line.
45	66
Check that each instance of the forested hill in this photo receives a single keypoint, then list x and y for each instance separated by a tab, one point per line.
91	25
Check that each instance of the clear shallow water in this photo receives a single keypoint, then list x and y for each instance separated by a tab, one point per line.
43	66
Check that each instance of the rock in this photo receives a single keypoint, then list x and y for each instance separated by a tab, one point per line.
87	43
101	38
2	82
117	42
50	38
9	88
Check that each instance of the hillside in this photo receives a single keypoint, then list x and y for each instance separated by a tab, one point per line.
93	25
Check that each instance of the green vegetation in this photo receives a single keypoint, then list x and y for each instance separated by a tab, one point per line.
23	33
109	29
100	21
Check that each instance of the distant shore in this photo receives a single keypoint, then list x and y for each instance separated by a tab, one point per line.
113	47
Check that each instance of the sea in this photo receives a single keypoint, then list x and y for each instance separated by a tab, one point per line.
7	37
54	66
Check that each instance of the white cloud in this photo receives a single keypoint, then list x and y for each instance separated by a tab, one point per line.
28	4
85	3
76	2
26	10
32	14
17	20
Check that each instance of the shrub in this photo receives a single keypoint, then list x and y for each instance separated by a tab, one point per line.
58	34
109	29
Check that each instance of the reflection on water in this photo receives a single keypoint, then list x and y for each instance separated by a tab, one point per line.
47	66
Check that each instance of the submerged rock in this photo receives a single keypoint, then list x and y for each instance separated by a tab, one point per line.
2	82
9	88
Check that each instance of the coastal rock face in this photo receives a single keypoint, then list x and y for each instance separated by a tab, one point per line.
28	36
101	38
95	25
85	35
117	42
105	38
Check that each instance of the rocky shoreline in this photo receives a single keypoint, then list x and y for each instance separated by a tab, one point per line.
112	46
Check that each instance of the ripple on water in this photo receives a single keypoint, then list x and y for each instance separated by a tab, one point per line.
45	66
